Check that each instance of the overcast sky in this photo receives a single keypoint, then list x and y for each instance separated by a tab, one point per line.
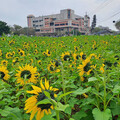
16	11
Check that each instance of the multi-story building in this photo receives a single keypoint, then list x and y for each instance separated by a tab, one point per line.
62	23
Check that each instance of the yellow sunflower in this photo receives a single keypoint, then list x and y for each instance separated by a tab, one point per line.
3	39
48	53
83	56
52	68
31	103
26	75
0	52
4	73
65	56
9	55
36	51
4	62
84	68
75	56
75	48
39	62
102	68
22	53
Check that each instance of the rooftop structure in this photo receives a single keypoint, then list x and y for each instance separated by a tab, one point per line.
62	23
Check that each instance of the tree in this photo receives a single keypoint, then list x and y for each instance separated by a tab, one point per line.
96	29
4	28
18	30
93	23
117	25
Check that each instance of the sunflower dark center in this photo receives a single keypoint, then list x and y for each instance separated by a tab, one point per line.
42	96
48	52
4	63
87	67
77	57
83	57
26	73
51	68
21	53
2	74
57	63
66	57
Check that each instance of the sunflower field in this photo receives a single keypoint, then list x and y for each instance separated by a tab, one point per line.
64	78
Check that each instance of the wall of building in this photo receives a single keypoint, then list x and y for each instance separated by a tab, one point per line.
65	21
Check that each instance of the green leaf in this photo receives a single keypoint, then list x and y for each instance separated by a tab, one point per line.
71	119
79	115
62	95
19	93
80	91
45	101
102	115
115	108
1	96
3	91
68	110
61	107
116	89
12	113
92	79
47	94
48	117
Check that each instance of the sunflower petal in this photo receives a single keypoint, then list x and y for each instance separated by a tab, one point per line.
37	89
33	113
46	84
33	92
42	86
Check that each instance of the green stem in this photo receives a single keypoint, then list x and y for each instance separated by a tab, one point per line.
104	83
57	115
63	83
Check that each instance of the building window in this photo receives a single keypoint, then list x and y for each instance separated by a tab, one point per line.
68	14
56	24
62	24
52	24
53	18
37	30
35	21
40	20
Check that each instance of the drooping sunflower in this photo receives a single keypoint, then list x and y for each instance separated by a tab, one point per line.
4	73
65	56
31	103
4	62
84	68
26	74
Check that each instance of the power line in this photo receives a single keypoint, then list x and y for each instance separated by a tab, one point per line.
109	17
101	6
